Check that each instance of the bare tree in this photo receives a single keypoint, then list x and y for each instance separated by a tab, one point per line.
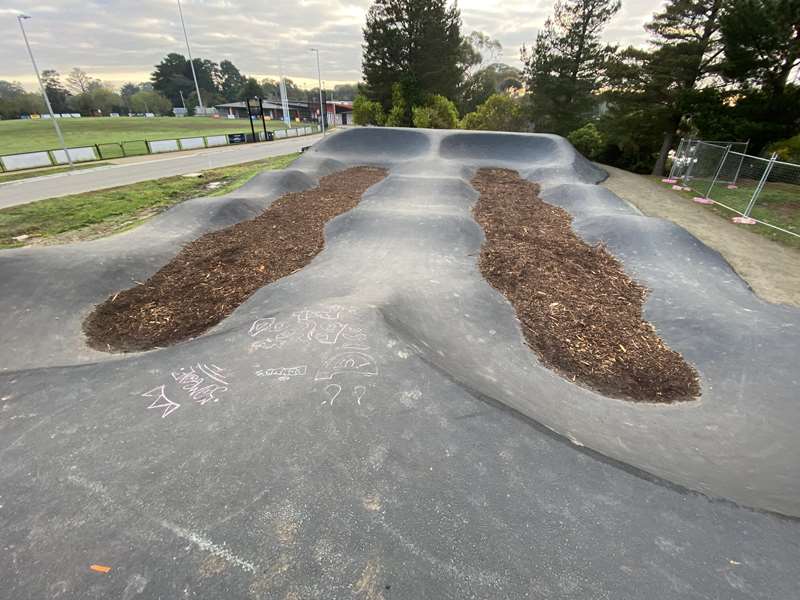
79	81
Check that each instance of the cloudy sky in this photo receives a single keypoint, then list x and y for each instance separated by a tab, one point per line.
121	40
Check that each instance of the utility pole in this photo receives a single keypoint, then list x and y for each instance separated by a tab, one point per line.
333	103
287	119
183	100
319	78
191	62
20	18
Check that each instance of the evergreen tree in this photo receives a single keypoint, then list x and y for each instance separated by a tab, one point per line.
687	51
761	39
249	89
564	69
56	92
231	81
416	44
174	74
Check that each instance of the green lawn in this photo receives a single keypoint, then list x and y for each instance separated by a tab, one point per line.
778	204
100	213
28	135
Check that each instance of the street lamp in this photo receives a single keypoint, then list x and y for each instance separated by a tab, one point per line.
20	18
319	77
191	62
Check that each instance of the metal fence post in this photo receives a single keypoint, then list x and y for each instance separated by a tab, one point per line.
741	162
761	184
719	170
688	174
678	154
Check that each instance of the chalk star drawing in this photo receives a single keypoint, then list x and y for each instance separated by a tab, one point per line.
161	401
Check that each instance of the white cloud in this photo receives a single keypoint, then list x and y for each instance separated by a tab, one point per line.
117	40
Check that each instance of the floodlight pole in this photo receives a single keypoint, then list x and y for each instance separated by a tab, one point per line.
44	91
319	77
191	62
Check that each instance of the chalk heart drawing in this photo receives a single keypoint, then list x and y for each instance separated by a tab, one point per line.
347	362
203	382
160	400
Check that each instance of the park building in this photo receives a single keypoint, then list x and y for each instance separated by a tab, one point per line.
339	112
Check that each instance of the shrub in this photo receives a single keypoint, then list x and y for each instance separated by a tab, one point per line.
587	140
367	112
788	150
437	113
498	113
398	116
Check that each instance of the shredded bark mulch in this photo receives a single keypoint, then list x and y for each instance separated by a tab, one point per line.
214	274
579	311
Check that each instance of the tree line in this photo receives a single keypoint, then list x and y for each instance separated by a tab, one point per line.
718	69
171	85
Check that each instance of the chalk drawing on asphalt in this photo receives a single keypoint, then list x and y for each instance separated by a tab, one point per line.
160	400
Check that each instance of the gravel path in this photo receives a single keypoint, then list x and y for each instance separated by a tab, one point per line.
772	270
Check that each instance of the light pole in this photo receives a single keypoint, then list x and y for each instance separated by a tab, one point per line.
319	78
191	62
20	18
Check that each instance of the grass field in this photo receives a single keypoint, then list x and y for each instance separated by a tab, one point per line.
97	214
28	135
778	204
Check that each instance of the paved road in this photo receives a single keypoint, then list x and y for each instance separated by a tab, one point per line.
144	169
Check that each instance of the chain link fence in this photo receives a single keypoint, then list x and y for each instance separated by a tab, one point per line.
756	190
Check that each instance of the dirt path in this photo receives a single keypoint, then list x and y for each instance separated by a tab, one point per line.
772	270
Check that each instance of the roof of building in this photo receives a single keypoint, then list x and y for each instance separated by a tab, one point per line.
343	104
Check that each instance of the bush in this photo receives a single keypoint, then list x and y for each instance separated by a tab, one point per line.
397	116
788	150
587	140
150	102
498	113
367	112
437	113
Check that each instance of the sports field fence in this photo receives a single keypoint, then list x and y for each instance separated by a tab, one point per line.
110	150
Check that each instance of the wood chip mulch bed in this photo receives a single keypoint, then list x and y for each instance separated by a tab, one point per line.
579	311
214	274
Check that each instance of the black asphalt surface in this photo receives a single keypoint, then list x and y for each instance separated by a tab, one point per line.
373	426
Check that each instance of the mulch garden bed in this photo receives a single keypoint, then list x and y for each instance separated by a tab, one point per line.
214	274
579	311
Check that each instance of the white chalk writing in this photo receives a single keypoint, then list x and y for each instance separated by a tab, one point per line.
203	382
283	373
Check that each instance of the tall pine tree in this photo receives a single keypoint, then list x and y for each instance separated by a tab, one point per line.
687	52
416	44
565	67
762	43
